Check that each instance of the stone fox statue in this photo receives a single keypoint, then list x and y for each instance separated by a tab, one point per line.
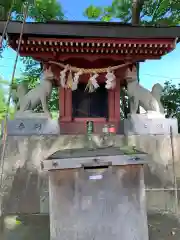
149	100
29	100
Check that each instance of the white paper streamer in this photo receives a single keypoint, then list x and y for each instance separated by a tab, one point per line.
93	80
76	80
63	77
111	80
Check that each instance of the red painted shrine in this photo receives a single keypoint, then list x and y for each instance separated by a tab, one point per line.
90	46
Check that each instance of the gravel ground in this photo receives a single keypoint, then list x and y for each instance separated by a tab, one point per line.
161	227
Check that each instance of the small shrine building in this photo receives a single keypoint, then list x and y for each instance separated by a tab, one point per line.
89	61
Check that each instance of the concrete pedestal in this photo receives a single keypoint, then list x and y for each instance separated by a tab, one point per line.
99	197
142	124
32	126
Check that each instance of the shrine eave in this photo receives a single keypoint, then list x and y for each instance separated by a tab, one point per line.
73	29
118	48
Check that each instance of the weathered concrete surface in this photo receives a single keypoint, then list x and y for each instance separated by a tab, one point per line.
26	189
105	209
25	186
161	227
33	126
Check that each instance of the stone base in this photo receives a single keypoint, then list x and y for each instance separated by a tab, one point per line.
32	126
144	124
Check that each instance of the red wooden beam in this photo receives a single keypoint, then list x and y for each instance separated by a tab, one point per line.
125	46
109	40
90	57
113	53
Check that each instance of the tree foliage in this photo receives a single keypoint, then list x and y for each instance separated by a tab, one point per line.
3	105
39	10
171	100
4	84
153	12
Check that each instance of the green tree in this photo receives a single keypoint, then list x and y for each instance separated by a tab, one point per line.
3	100
3	105
144	12
171	100
40	10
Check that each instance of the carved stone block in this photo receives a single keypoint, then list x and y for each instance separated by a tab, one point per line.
137	124
33	126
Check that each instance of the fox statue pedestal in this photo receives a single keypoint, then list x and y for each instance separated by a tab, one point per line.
33	124
149	123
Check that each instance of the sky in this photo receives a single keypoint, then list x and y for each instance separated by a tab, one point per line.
151	71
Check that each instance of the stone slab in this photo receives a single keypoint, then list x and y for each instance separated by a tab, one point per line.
144	125
32	126
99	204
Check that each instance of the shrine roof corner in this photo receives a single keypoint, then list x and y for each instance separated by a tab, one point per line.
86	29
